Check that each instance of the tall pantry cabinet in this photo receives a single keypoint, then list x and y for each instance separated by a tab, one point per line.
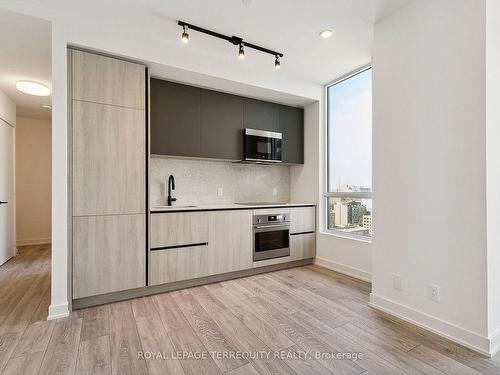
108	163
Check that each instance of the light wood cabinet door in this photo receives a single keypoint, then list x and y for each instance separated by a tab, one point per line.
302	246
109	151
178	229
178	264
109	254
303	219
102	79
230	241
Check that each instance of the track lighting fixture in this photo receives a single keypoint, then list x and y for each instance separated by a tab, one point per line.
185	35
241	53
277	63
235	40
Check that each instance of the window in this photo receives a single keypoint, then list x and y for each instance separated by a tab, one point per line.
349	155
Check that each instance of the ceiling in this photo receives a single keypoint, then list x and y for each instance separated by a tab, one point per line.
147	30
26	55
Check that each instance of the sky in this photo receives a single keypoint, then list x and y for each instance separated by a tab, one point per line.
350	132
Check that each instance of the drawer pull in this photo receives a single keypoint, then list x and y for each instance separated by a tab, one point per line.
179	246
297	233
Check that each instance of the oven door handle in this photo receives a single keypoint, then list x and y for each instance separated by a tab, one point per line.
272	226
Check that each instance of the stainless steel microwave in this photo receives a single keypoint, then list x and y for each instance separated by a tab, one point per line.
262	146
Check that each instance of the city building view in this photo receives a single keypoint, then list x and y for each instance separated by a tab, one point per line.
351	215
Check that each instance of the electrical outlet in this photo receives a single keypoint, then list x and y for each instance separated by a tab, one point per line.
397	282
275	191
219	192
433	292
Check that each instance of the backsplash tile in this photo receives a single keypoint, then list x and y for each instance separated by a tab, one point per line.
196	181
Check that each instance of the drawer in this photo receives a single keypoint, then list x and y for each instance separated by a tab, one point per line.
181	263
302	246
303	219
178	229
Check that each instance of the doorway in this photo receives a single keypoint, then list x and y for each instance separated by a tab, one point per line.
25	168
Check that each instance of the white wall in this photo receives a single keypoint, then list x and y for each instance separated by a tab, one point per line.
7	109
493	168
8	121
33	181
429	166
344	255
304	180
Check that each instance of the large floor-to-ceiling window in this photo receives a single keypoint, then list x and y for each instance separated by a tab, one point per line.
349	155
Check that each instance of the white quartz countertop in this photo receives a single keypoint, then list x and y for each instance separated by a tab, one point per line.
227	206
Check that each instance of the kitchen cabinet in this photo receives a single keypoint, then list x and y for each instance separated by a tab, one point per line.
190	245
291	125
302	232
230	241
302	219
109	168
189	121
108	254
178	229
108	174
221	125
302	246
179	246
106	80
260	115
175	119
178	264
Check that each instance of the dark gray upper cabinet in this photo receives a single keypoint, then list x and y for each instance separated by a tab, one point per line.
291	125
175	119
195	122
260	115
221	125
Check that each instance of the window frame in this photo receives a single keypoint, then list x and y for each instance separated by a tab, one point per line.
326	193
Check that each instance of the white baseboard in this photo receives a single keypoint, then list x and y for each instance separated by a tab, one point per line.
34	241
471	340
58	311
345	269
495	342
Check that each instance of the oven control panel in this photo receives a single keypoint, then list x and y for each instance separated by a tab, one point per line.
270	219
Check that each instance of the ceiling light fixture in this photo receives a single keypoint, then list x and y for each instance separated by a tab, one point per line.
185	35
277	63
241	53
325	34
33	88
46	106
236	40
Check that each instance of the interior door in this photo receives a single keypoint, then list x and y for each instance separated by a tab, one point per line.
7	248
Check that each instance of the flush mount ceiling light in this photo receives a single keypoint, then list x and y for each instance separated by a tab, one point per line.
33	88
46	106
236	40
325	34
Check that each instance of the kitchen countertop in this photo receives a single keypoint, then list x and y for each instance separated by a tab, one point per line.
227	206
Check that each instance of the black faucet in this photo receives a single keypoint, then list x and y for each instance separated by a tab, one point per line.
171	186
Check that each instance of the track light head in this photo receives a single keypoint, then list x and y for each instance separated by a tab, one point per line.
277	63
241	53
185	35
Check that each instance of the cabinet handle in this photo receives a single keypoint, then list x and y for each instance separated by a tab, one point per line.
297	233
180	246
1	202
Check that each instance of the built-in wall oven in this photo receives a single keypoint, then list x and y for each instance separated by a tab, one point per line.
262	146
271	236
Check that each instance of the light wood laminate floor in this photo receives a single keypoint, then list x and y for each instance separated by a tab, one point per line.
256	325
